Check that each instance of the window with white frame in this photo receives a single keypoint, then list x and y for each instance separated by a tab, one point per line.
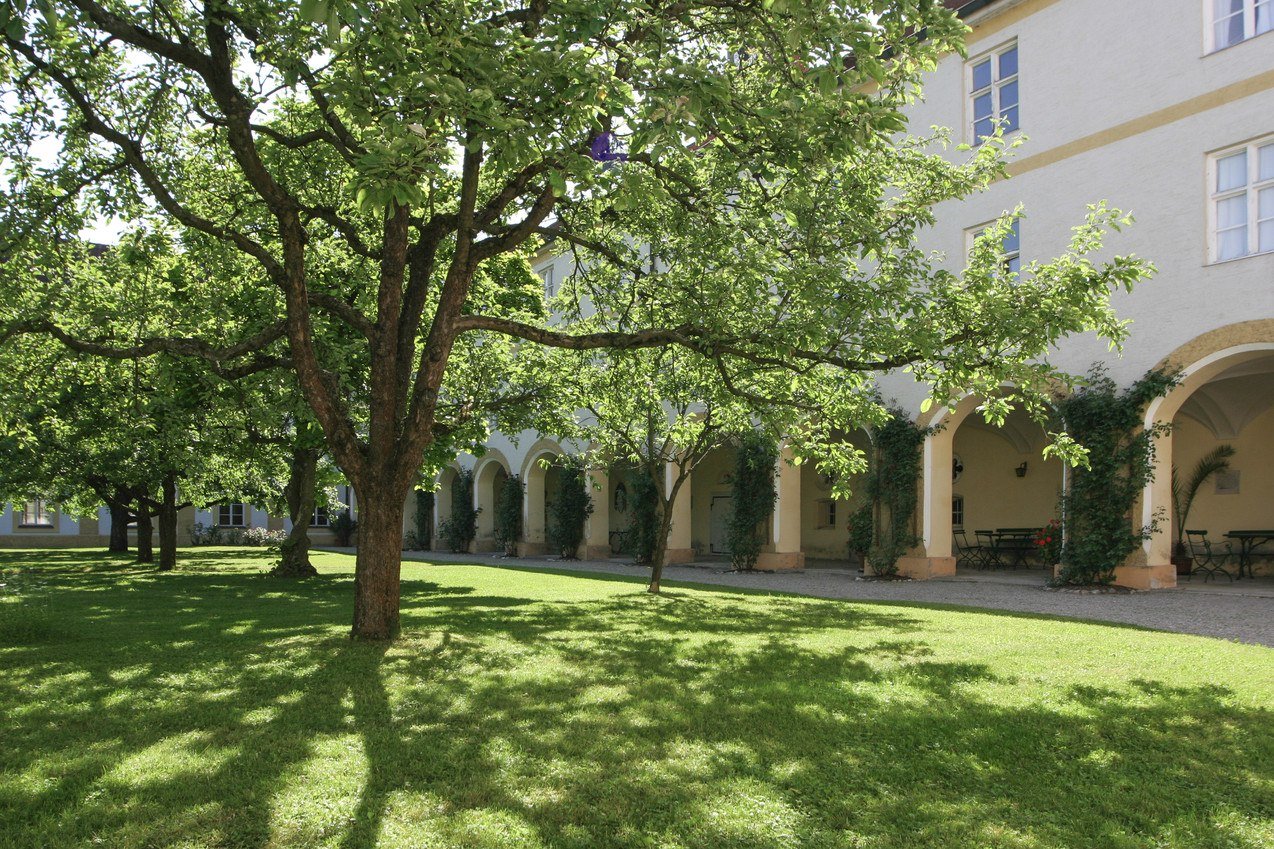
37	514
1012	245
827	513
320	519
957	512
993	92
1242	202
550	287
1238	20
230	515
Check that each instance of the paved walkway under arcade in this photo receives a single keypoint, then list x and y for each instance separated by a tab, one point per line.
1242	610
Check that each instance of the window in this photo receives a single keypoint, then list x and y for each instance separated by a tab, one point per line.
993	92
230	515
550	289
827	513
37	514
320	519
1242	202
1012	246
957	512
1238	20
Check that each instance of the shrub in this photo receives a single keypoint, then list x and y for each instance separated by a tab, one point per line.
343	528
459	529
411	542
1098	505
643	502
754	494
201	534
861	530
262	537
570	512
508	515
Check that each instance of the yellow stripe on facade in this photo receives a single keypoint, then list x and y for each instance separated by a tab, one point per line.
1167	115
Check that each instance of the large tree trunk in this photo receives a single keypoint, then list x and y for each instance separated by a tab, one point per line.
145	529
120	515
376	570
659	554
168	524
294	561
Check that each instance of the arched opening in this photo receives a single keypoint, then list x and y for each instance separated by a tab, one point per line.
1225	398
542	480
489	476
988	479
1003	491
825	519
711	504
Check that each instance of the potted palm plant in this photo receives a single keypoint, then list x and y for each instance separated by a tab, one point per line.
1183	493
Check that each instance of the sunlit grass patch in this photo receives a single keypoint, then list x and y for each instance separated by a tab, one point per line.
216	706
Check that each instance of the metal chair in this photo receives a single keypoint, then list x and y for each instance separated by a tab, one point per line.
1206	559
970	555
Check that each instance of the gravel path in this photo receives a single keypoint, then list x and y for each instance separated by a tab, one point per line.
1243	611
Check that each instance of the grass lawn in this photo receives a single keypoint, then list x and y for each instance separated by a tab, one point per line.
215	706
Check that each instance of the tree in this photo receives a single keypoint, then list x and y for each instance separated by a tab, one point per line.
663	412
375	166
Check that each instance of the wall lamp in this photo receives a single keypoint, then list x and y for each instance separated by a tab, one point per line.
1020	471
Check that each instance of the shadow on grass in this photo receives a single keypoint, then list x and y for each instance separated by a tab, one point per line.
227	709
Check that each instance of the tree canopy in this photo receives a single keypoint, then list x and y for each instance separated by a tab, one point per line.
383	170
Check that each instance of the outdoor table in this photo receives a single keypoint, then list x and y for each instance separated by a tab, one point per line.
1248	541
1017	543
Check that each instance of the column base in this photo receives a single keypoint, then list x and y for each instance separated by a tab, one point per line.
924	568
679	555
779	561
597	552
1161	576
533	549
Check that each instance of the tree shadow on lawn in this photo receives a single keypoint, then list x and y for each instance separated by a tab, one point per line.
620	721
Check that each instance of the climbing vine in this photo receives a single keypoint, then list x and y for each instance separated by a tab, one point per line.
1098	505
508	515
893	490
570	511
753	491
459	529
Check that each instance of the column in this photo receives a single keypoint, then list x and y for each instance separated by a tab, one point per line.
786	529
534	542
680	536
933	558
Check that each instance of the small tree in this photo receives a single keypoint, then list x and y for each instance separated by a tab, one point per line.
508	515
1120	463
570	511
754	494
459	529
